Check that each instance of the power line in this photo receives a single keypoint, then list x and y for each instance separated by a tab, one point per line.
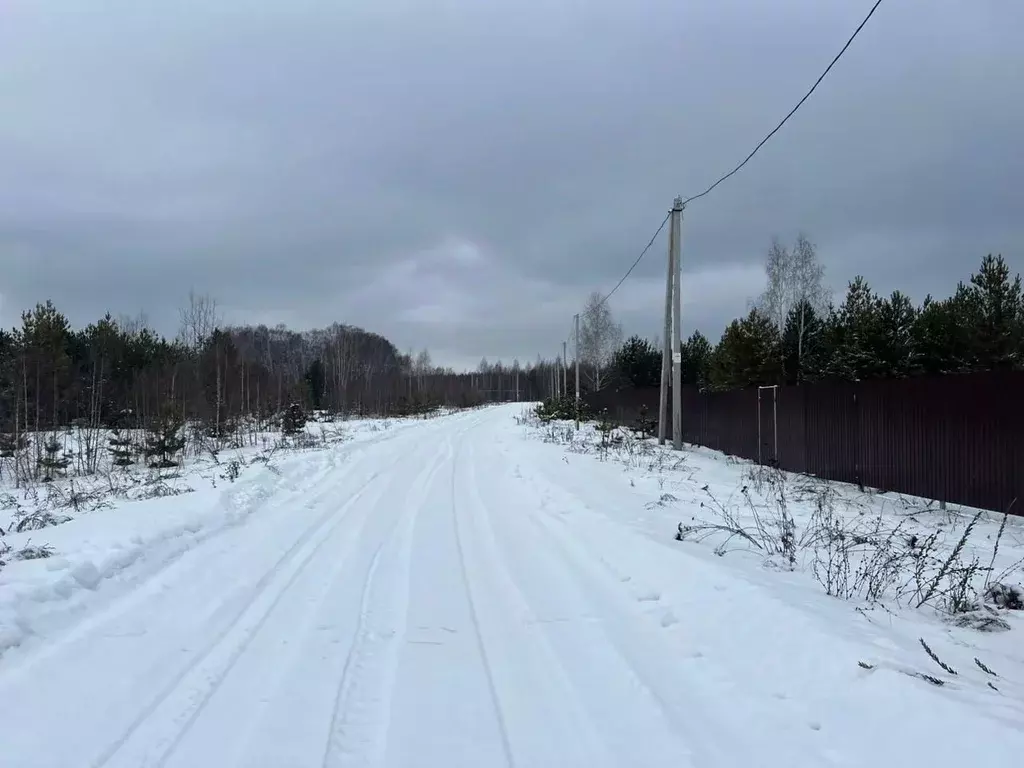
794	109
753	152
638	259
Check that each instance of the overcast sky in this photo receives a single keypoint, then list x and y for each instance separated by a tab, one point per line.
460	174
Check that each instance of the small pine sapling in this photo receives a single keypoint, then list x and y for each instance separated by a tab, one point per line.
644	426
294	420
165	439
121	448
52	463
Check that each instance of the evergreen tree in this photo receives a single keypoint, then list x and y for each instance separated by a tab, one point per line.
165	439
53	462
121	447
293	420
696	364
645	424
998	320
943	335
855	333
638	363
747	355
897	351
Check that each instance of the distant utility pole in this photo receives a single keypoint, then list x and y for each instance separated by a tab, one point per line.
666	355
577	319
675	237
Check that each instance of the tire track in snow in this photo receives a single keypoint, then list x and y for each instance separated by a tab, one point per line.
561	730
328	523
364	741
269	584
499	714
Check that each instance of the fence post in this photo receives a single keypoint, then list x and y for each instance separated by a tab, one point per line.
759	462
858	443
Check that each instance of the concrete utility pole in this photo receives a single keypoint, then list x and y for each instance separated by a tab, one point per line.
666	356
675	236
577	319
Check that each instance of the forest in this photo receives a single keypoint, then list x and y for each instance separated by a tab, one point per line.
795	333
212	382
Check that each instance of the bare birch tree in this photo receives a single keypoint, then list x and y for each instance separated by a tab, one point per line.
198	320
600	336
795	280
809	292
777	298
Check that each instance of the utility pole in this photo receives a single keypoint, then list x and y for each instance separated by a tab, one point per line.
666	356
674	236
577	319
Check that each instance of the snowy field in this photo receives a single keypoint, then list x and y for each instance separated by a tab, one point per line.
484	590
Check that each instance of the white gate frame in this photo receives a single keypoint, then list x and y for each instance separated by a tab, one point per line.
775	421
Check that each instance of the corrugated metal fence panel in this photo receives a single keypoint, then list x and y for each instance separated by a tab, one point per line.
792	428
732	422
830	431
986	470
952	438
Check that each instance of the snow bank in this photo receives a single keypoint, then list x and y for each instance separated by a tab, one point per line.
117	543
765	610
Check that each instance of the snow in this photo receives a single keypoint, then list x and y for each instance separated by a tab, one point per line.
473	591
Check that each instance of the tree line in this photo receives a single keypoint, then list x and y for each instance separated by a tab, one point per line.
795	333
122	374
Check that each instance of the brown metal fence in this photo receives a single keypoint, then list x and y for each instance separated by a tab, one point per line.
956	438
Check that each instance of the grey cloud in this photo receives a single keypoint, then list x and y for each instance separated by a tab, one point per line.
292	159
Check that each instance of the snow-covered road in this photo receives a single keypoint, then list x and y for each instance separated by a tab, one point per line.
440	597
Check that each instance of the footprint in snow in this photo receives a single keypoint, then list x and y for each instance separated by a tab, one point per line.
668	619
649	597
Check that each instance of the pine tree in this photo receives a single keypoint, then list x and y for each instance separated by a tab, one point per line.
855	334
696	362
747	355
52	463
645	425
121	447
294	420
943	333
638	363
165	439
897	351
999	321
